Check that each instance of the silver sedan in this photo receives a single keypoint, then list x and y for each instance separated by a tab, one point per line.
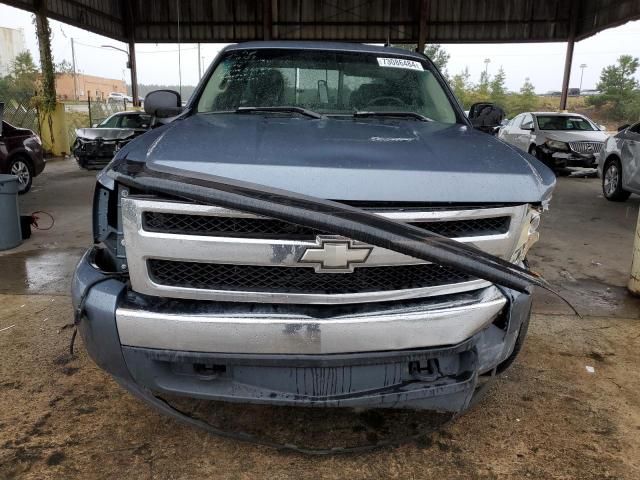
619	164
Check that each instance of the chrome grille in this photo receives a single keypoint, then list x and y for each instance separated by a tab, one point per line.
213	276
586	147
267	227
202	252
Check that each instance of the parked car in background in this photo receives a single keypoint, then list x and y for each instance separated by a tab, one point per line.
119	97
20	154
619	164
94	147
557	139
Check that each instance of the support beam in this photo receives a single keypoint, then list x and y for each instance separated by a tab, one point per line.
567	73
267	19
134	72
422	27
573	21
129	14
43	32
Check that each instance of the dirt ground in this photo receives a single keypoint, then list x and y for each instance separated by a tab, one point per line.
547	417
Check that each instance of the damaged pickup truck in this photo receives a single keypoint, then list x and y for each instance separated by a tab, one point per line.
319	226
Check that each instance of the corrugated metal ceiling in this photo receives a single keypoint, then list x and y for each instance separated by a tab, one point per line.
373	21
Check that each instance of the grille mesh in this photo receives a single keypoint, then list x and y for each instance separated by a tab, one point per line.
300	280
586	147
265	227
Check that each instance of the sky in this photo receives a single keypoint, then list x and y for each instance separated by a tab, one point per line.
542	63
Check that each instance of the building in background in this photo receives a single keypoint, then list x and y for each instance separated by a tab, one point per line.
11	44
87	85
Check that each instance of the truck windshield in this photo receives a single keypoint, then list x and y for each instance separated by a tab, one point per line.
564	122
327	82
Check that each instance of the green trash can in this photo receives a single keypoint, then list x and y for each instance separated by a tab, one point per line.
10	232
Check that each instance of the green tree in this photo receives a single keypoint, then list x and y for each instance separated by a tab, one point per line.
618	86
64	67
526	100
22	80
438	55
498	89
481	91
461	84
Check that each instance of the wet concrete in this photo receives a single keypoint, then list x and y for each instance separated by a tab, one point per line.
548	417
44	263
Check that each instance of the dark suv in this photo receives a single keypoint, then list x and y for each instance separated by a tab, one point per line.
320	225
20	154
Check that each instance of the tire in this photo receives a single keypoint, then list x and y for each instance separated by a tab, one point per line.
612	181
533	150
23	169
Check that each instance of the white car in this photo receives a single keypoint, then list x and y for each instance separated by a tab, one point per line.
119	97
619	164
557	139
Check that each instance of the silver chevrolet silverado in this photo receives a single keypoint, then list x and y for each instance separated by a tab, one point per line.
319	226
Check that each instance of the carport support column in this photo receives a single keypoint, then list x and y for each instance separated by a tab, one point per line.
567	74
634	281
573	22
422	26
134	72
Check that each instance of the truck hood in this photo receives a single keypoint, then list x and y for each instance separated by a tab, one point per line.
371	160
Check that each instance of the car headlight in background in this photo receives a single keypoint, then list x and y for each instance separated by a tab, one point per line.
557	145
529	234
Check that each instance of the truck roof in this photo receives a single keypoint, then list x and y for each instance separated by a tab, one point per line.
327	46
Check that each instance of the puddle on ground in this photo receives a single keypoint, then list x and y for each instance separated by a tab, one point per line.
46	271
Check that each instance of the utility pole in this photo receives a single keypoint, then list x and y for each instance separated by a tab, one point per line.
199	66
582	67
486	65
73	62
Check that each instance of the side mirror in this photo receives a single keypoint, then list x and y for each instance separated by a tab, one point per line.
486	116
623	127
163	103
94	125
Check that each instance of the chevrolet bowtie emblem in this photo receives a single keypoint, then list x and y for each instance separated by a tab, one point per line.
334	255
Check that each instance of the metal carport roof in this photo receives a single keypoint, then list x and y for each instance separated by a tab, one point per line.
369	21
375	21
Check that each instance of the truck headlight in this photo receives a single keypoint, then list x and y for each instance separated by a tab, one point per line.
529	234
557	145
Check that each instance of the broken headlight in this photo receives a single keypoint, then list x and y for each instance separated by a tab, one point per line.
529	234
557	145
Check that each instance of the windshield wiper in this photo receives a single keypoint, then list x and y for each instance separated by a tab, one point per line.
300	110
413	115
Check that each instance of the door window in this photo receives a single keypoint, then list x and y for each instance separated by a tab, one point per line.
527	122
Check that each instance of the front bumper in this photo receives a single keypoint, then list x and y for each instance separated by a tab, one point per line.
92	154
570	159
418	354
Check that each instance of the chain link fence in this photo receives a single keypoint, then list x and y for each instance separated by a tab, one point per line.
87	113
20	113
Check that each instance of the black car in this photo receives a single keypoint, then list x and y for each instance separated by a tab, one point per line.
20	154
94	147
